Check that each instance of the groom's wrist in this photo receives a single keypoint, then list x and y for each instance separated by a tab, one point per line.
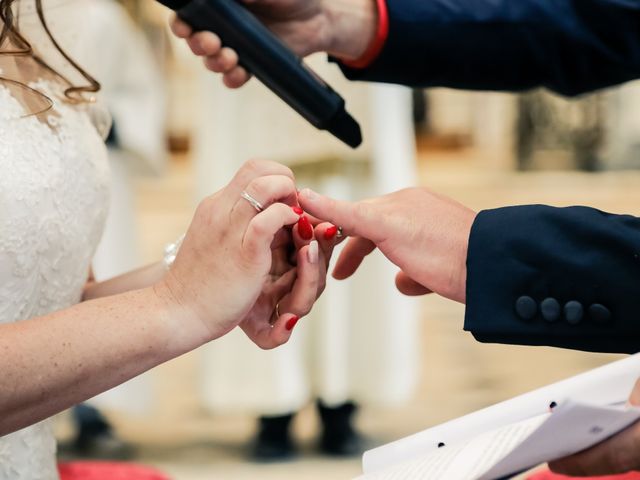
460	250
355	28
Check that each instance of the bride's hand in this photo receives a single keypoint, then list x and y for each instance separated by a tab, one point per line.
302	253
225	272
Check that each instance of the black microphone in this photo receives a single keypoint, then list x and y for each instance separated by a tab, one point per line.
266	57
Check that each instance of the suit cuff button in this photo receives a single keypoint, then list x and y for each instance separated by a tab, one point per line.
599	313
550	309
526	308
573	312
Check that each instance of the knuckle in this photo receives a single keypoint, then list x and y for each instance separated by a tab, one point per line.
230	55
259	189
286	171
361	212
252	165
281	209
288	180
258	228
206	206
211	63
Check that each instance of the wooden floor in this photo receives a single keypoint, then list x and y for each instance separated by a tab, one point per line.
458	374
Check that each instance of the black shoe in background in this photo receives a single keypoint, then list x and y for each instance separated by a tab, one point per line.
339	437
95	438
273	442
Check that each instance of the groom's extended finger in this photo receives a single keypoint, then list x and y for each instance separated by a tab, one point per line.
356	219
352	256
408	286
263	228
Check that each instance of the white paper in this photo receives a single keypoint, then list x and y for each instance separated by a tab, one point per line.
510	449
571	428
606	385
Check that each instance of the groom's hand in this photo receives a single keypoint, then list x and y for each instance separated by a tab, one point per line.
343	28
618	454
423	233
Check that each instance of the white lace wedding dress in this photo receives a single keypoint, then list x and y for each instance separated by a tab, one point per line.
53	204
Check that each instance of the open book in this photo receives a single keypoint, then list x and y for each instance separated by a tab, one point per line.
518	434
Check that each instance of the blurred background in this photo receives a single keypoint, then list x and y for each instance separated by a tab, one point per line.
368	366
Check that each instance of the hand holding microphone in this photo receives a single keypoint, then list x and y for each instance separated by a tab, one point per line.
342	28
244	41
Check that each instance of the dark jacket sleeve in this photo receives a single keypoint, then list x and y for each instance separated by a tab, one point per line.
563	277
569	46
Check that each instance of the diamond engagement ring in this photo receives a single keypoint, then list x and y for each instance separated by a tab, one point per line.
340	233
254	203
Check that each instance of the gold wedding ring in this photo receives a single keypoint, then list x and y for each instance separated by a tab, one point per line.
276	314
254	203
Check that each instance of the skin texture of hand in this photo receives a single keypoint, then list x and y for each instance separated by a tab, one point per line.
618	454
232	270
425	234
343	28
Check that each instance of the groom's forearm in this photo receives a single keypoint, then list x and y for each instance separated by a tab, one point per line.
569	46
353	25
562	277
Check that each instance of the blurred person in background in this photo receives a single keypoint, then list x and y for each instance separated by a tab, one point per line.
622	146
134	92
351	350
533	275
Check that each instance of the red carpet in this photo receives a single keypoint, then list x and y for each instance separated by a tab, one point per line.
108	471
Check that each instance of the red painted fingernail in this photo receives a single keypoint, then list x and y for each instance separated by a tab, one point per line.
291	323
330	232
297	210
304	228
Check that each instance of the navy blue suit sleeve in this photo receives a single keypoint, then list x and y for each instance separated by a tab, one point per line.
569	46
578	255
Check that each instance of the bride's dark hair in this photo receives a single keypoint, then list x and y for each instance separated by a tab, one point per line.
13	43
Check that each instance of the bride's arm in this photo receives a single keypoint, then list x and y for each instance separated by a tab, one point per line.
51	362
